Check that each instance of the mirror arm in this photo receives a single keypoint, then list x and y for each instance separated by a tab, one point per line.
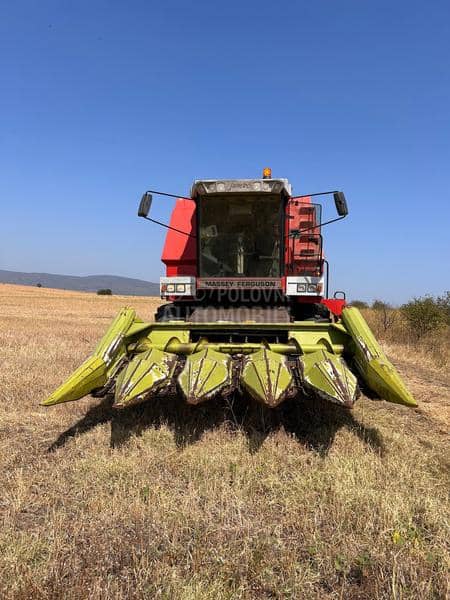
169	227
169	195
318	225
316	194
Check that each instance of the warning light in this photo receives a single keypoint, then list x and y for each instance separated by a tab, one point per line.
267	173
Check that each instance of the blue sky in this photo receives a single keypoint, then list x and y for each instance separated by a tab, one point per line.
102	100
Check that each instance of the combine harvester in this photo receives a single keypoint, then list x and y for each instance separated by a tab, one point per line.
247	284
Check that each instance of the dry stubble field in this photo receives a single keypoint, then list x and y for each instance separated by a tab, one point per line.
216	501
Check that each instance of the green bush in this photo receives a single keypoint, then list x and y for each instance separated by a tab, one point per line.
444	304
385	314
104	292
425	315
380	305
359	304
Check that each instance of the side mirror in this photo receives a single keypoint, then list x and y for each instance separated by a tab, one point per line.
341	204
145	204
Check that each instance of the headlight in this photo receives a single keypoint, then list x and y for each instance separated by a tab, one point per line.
170	287
312	287
180	287
301	287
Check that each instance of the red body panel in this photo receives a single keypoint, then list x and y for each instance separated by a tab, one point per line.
334	305
180	251
303	253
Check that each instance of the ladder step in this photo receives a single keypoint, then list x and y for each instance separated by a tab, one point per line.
308	262
306	210
306	239
304	224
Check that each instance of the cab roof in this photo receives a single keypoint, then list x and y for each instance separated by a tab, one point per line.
208	187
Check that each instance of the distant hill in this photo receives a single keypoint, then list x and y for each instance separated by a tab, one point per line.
119	285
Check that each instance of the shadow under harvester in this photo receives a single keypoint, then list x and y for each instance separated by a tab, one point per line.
311	421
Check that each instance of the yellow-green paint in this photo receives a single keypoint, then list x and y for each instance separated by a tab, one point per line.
311	336
266	377
376	370
327	375
111	343
142	357
145	374
204	374
186	348
96	370
89	376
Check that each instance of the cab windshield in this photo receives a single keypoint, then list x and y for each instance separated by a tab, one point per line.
240	235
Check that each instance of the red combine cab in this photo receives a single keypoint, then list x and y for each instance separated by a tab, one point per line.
247	244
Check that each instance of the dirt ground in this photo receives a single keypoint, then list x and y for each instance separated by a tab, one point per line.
224	500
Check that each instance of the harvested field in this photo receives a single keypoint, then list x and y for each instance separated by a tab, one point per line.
217	501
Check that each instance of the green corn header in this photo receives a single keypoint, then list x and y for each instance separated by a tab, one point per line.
137	360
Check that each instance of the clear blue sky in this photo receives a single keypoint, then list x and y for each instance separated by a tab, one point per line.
102	100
